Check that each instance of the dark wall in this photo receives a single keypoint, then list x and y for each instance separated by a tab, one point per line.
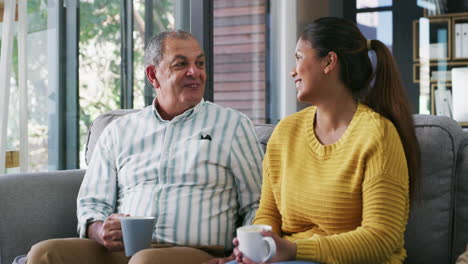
404	12
456	6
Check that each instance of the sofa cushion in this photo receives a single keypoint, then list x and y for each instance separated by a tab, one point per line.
98	126
460	230
428	238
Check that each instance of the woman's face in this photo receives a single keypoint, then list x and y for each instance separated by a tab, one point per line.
308	73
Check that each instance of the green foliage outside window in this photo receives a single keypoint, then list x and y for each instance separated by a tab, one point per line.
99	68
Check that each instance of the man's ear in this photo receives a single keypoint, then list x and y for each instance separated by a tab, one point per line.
331	62
151	75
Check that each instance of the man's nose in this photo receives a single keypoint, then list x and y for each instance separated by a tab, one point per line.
193	70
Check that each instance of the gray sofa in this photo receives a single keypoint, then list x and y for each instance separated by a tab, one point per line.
39	206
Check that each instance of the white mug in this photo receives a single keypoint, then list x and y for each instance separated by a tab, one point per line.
255	246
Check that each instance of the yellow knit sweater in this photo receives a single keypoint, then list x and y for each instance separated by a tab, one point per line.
340	203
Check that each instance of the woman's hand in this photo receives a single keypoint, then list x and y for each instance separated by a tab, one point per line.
285	250
220	260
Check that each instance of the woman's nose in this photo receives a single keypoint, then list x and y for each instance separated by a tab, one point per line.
293	73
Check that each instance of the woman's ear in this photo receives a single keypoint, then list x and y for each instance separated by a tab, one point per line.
331	62
151	75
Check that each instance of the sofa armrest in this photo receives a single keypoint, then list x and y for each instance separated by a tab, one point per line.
35	207
460	230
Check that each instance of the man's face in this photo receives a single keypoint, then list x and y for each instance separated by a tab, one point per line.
180	76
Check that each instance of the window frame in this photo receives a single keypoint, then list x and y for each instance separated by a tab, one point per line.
63	137
350	10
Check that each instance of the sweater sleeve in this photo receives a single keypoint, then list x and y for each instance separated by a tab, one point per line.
268	213
385	195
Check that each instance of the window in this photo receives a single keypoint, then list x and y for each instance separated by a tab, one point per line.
375	20
40	96
100	62
62	102
373	3
149	18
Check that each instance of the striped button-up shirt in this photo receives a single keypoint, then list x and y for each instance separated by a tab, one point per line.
198	174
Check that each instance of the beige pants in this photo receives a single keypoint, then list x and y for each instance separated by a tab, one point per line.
77	250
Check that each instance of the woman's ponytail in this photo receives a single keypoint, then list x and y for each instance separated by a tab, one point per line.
388	98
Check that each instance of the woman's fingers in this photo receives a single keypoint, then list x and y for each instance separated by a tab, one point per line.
237	254
246	260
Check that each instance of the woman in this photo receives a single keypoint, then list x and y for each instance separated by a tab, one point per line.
337	176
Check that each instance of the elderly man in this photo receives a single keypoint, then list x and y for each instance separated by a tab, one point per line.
193	165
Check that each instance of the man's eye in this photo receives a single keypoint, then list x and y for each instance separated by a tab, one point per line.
201	64
179	64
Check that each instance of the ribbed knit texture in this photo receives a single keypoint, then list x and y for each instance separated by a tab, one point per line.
341	203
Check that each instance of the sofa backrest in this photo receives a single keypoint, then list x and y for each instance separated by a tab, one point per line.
433	220
98	126
428	238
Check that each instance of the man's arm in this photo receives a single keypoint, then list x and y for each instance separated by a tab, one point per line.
96	199
246	165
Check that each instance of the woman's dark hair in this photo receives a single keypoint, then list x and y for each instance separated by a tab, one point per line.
387	96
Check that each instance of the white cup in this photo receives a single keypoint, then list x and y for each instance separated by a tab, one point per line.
255	246
137	233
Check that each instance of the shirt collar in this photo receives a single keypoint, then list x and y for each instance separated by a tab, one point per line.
184	116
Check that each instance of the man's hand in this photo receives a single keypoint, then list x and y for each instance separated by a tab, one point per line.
107	233
220	260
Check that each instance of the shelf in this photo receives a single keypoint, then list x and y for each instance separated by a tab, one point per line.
434	87
435	38
449	15
436	34
435	67
455	21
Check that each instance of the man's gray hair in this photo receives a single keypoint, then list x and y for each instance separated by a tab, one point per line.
155	46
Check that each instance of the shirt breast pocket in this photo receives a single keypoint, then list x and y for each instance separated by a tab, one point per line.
199	157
